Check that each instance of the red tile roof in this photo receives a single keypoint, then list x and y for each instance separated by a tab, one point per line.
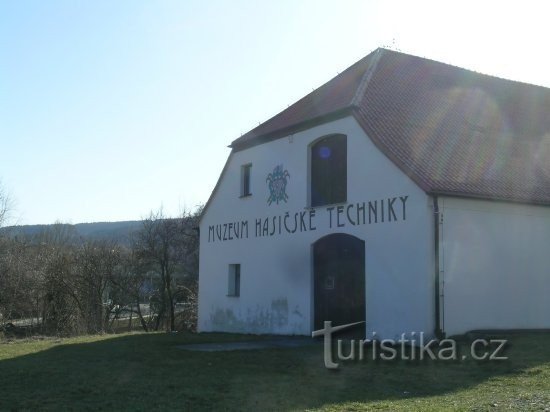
453	131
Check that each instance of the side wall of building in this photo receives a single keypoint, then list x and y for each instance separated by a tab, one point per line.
496	265
276	293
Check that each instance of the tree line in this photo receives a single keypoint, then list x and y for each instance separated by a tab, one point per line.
57	283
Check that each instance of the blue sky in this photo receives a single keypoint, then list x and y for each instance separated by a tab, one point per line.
109	109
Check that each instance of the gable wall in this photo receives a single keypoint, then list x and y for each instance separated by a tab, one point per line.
276	273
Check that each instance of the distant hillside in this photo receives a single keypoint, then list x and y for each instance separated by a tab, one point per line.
116	231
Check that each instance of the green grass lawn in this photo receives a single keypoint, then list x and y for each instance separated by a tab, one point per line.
147	372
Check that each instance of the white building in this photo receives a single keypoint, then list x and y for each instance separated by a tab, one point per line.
404	192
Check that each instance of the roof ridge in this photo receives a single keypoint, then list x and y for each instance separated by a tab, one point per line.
361	89
478	73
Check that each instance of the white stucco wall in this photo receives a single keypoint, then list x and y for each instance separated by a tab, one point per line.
496	265
276	273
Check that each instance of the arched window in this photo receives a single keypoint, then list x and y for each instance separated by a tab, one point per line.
329	171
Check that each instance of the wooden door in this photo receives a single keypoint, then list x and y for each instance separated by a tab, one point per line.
339	280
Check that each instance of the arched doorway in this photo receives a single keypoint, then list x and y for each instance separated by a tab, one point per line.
338	280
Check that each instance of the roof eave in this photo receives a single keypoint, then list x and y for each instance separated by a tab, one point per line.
215	190
295	128
477	196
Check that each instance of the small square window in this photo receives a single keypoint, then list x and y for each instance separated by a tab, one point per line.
234	280
245	180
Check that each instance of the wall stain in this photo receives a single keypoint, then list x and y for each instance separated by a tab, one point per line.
297	312
260	319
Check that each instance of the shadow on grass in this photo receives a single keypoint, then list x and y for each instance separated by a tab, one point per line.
148	372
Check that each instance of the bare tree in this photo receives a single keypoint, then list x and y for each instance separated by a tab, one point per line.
127	287
189	249
5	205
95	266
157	245
18	281
61	306
188	257
72	285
